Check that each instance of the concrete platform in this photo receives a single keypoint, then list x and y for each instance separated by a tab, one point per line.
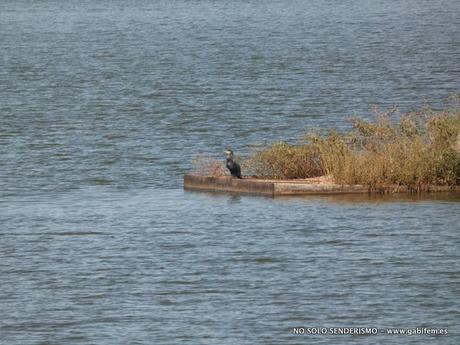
314	186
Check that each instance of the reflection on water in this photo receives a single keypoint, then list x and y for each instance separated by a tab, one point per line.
343	198
378	198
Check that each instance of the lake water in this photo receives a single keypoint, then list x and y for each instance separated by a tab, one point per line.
103	105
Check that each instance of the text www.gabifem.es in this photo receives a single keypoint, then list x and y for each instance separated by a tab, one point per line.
369	331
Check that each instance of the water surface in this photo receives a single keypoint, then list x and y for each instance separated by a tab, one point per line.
103	104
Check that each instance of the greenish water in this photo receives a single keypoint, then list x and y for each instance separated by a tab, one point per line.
103	105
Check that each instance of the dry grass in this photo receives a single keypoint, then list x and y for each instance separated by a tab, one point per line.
285	161
204	165
416	150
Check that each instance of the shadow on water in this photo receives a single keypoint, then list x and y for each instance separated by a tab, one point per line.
341	198
377	198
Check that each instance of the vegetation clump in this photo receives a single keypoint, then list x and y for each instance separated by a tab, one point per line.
285	161
416	150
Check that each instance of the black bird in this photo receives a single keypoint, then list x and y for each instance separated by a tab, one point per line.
231	165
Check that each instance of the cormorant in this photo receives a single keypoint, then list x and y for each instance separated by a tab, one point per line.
231	165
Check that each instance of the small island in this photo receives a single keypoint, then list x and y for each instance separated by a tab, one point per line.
411	153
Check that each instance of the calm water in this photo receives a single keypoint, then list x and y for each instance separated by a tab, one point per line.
103	104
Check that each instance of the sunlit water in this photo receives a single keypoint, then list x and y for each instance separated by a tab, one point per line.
103	104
